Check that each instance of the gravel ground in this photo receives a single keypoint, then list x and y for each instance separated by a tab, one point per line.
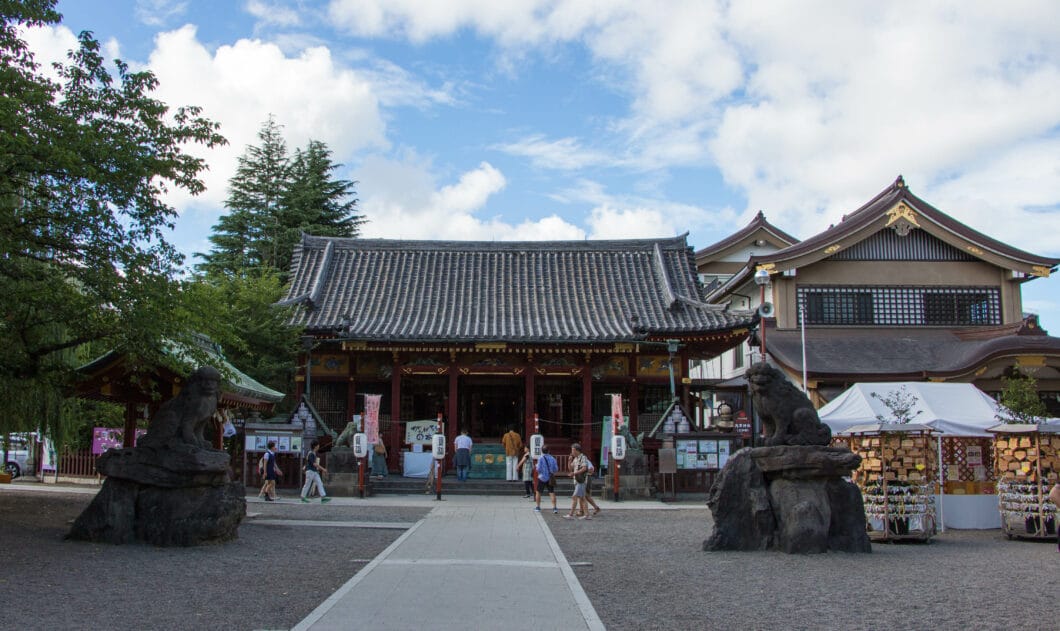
48	583
648	570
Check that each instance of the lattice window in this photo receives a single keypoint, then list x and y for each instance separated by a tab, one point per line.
900	306
955	453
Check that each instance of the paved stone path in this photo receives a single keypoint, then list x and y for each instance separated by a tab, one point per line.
476	565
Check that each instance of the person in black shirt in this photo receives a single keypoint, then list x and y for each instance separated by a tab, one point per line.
312	474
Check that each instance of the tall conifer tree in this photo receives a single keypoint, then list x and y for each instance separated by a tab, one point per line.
245	239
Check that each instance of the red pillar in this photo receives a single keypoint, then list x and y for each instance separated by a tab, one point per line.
129	436
531	401
450	426
587	409
394	448
634	403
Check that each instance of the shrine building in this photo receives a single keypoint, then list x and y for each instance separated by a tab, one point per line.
488	334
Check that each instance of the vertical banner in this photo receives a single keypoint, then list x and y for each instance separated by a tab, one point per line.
371	417
611	427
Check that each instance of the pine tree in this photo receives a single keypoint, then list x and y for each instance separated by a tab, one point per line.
315	203
272	200
246	239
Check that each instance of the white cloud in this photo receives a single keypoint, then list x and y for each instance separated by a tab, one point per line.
810	108
240	84
402	200
50	45
159	12
563	154
272	13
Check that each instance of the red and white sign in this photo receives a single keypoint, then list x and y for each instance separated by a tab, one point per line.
742	423
371	417
616	414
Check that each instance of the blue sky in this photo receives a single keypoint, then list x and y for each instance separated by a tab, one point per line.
565	119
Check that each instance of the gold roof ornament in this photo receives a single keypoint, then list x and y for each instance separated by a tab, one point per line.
1041	271
902	218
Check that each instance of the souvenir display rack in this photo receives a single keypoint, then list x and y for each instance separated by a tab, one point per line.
899	466
1027	462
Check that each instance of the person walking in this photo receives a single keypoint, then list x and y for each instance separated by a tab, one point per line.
526	467
312	474
272	472
462	459
513	449
578	471
590	474
546	479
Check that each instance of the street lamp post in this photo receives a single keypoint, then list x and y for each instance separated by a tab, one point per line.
762	280
303	415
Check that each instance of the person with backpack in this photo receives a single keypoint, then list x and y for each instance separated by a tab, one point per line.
272	472
312	475
546	479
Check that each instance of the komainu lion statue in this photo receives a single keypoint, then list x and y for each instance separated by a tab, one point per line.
185	419
788	417
345	439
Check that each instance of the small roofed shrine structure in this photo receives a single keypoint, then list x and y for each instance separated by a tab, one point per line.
486	335
114	378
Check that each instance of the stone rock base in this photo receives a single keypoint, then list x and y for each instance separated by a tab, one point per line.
126	512
788	498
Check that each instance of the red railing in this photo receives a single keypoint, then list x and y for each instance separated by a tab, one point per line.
79	463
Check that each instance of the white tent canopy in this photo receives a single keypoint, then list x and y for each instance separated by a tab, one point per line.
953	409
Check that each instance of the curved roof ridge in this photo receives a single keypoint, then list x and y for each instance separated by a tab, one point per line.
668	243
758	223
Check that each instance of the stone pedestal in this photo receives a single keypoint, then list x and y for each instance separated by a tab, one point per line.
342	478
791	498
176	495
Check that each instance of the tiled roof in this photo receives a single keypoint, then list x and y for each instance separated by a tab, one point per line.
237	385
759	223
886	199
565	291
872	213
908	353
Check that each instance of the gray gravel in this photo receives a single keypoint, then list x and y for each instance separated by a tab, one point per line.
270	578
648	569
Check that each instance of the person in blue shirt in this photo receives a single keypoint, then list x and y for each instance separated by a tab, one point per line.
312	474
546	479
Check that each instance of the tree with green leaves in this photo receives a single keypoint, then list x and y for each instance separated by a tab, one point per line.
901	403
316	202
85	162
244	239
239	313
272	200
1020	401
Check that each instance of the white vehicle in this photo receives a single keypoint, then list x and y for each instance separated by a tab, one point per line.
17	454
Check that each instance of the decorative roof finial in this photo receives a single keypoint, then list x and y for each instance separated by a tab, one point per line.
900	182
761	215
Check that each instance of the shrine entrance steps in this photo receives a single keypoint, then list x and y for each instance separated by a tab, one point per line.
397	485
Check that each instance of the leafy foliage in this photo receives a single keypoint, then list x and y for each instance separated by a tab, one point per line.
272	200
84	166
240	314
901	403
1020	401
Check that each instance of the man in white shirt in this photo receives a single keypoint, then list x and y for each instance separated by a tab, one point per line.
463	455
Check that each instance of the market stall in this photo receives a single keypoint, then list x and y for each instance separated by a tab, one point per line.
1027	459
897	478
959	414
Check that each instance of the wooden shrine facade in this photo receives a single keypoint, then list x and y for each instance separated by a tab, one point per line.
489	388
488	334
